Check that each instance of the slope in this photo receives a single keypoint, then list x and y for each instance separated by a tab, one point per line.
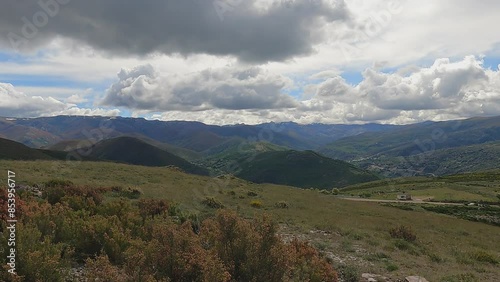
11	150
134	151
416	139
301	169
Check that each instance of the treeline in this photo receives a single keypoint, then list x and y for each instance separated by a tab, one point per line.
74	228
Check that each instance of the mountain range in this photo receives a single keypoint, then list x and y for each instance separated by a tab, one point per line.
428	148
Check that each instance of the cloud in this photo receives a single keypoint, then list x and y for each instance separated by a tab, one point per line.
143	88
14	103
244	29
76	111
444	90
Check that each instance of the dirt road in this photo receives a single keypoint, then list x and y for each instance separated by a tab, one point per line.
396	201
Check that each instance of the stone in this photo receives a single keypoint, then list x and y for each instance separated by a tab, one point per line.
415	279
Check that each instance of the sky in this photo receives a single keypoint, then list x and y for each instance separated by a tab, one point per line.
251	61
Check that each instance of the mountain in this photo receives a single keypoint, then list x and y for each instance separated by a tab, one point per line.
429	148
447	161
28	135
221	159
11	150
71	145
194	136
415	139
134	151
301	169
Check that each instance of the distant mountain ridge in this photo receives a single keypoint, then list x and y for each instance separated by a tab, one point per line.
431	148
195	136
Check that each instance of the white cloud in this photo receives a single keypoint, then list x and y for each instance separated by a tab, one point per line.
14	103
143	88
442	91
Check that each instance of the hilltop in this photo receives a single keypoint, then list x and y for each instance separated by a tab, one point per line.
134	151
301	169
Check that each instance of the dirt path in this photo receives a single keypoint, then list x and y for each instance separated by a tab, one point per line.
397	201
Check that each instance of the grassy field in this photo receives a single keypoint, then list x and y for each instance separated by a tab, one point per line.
353	233
472	187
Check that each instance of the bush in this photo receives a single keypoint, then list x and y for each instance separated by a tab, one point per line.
282	205
129	193
391	267
349	273
482	256
152	208
403	232
213	203
335	191
256	204
58	183
252	194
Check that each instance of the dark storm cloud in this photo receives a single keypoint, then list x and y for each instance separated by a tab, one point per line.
224	27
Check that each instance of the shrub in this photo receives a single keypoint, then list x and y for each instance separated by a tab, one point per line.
402	245
252	194
466	277
403	232
348	273
391	267
335	191
130	193
482	256
366	195
213	203
282	205
152	207
256	204
58	183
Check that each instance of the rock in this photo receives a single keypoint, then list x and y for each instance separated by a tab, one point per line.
415	279
368	275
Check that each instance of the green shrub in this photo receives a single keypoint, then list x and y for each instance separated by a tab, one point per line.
482	256
403	232
348	273
402	245
335	191
256	204
366	195
129	193
466	277
391	267
252	194
213	203
58	183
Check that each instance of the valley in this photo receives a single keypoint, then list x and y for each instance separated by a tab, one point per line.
346	206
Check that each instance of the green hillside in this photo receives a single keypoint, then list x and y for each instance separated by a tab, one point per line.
134	151
301	169
353	235
71	145
416	139
439	162
11	150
